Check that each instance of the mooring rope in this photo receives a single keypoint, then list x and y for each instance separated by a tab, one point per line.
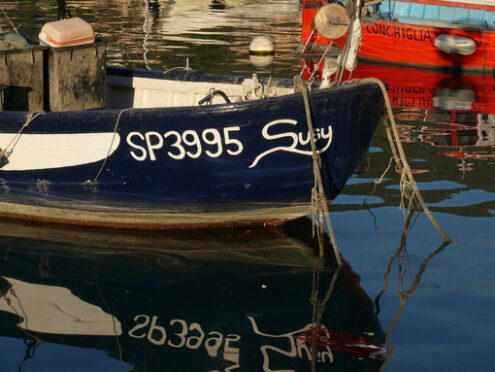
29	118
380	180
321	201
407	179
111	142
10	21
318	198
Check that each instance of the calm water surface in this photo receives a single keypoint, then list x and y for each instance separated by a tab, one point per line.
245	300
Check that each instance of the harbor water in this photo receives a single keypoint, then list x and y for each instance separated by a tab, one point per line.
248	299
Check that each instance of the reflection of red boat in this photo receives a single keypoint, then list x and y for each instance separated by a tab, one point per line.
459	110
427	90
462	133
482	133
429	33
344	342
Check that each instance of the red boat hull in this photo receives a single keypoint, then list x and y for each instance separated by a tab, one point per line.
414	45
406	44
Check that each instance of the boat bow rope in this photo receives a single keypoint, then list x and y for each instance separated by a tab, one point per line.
407	181
111	142
318	198
29	118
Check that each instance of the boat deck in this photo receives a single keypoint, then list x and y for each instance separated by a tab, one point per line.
128	88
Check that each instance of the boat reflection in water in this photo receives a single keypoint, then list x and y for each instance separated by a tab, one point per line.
453	112
465	135
228	300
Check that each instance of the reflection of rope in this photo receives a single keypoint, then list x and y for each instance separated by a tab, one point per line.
403	294
319	307
21	315
36	341
376	183
186	68
177	68
323	303
113	319
31	349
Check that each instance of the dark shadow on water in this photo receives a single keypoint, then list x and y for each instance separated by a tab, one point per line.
249	299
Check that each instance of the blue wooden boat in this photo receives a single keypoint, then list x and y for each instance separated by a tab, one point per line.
155	158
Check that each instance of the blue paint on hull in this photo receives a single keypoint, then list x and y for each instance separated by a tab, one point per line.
153	181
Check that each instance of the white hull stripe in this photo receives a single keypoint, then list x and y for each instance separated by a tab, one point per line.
46	151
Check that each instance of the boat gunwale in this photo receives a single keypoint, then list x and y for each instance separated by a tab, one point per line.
371	20
245	105
452	4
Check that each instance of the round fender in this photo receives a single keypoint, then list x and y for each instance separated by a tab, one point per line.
455	44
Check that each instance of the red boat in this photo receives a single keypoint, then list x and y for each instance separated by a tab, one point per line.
424	33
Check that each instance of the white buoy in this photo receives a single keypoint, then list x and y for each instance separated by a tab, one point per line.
455	44
261	46
261	51
261	61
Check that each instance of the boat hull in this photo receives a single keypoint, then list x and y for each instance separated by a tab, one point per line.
238	163
404	33
410	44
